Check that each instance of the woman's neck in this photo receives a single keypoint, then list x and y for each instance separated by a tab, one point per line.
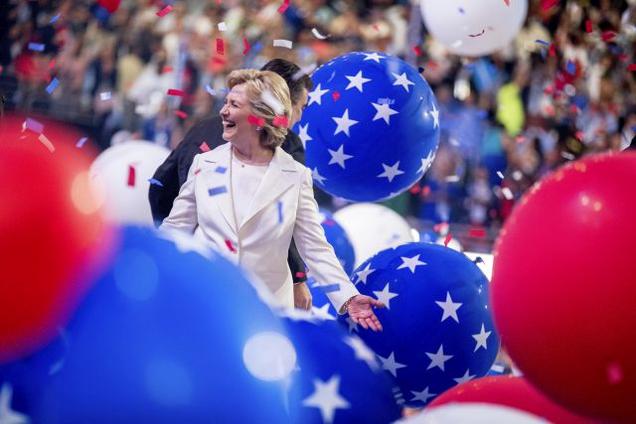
252	153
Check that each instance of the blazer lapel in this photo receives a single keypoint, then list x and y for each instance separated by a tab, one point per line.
275	182
216	164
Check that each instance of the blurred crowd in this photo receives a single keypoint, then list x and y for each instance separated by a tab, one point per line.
564	88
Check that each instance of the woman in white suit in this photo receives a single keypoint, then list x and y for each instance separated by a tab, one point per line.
247	198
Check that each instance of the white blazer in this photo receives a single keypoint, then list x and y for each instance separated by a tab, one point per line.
283	206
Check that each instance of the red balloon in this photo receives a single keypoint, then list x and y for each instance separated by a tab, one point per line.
514	392
51	232
110	5
564	286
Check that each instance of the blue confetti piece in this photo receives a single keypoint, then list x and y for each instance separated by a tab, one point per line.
328	288
280	212
210	90
220	169
36	47
34	125
154	181
80	142
257	47
54	19
542	42
461	10
570	67
217	190
52	85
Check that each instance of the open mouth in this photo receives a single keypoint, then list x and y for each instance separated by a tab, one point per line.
478	34
228	124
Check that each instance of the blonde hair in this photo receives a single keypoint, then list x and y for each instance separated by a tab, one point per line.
266	92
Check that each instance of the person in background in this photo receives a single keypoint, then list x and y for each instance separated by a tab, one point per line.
207	135
247	198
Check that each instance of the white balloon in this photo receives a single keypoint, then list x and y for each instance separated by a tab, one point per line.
372	228
474	28
126	203
473	413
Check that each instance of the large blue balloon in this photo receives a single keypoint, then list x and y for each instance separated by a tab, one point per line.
370	127
438	328
165	335
337	237
338	379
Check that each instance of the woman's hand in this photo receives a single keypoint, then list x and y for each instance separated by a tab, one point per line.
302	296
360	309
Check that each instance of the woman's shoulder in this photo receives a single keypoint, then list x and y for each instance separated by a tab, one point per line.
289	162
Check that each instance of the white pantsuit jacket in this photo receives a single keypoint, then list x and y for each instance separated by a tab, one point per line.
283	206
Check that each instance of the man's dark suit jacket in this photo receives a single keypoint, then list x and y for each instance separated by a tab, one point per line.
174	172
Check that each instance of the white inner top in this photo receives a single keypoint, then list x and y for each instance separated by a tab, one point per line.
245	181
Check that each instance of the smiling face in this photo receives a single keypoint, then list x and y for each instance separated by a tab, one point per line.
234	113
474	28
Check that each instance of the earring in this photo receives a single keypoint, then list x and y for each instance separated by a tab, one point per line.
258	128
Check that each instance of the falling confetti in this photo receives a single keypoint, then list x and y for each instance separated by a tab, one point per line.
318	35
280	121
283	7
300	275
214	191
246	46
36	47
220	48
255	120
222	26
283	43
80	142
33	125
132	174
106	95
47	143
181	114
154	181
279	205
163	12
54	19
447	239
230	245
608	36
588	26
335	95
500	175
204	147
175	92
220	169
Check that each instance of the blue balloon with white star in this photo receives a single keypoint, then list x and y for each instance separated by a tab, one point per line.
370	128
438	327
171	332
338	239
338	378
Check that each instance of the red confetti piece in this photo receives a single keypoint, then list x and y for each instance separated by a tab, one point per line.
220	48
622	57
588	26
614	373
255	120
431	64
631	67
230	245
426	190
175	92
181	114
246	46
163	12
300	274
52	64
477	232
417	50
416	189
447	239
608	36
507	2
218	60
335	96
197	171
204	147
546	5
47	143
283	7
280	121
166	69
131	176
552	50
442	226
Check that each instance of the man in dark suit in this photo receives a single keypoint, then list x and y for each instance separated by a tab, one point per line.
206	135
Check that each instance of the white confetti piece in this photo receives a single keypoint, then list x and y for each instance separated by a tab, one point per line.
222	26
268	98
106	95
318	35
283	43
507	193
500	175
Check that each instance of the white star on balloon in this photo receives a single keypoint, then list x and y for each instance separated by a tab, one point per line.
364	273
464	378
391	172
449	307
326	398
315	96
402	80
423	396
339	156
435	114
356	81
481	338
383	111
344	123
390	365
362	352
322	312
372	56
317	177
438	359
303	134
385	295
411	263
8	415
185	242
426	162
